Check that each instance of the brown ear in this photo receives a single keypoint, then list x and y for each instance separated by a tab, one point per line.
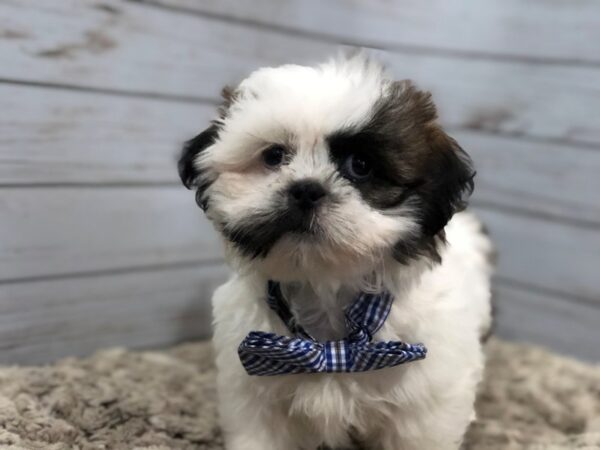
229	96
443	171
448	184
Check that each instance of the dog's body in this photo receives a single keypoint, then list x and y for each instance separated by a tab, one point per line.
422	406
335	180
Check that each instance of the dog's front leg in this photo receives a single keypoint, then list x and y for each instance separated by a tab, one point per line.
250	426
250	421
251	429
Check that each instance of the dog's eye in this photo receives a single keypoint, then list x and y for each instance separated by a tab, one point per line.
273	156
357	167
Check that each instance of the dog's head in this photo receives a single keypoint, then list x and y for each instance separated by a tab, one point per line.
311	170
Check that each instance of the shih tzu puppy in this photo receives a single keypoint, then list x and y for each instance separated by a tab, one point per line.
361	292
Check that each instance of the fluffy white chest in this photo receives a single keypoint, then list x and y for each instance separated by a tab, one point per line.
447	309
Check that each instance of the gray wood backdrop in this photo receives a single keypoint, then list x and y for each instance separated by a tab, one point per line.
99	243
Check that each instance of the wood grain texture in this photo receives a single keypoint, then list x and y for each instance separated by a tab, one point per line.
135	48
60	136
54	136
497	28
80	230
556	180
157	308
59	231
74	317
547	255
561	325
126	46
99	245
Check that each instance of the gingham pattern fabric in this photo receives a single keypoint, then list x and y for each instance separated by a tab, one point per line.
263	353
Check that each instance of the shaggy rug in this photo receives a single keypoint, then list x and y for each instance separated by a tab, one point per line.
159	400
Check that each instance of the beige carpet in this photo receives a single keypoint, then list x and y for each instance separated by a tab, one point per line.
159	400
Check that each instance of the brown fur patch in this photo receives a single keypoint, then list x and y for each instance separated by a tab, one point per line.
413	160
229	96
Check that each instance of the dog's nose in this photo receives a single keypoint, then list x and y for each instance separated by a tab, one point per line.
306	194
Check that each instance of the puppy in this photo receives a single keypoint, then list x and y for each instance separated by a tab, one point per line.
330	184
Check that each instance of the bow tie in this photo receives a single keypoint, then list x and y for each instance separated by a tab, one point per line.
263	353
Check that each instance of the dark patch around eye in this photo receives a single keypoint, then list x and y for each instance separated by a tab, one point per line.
413	158
384	188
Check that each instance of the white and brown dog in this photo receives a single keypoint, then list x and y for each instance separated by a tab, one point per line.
335	180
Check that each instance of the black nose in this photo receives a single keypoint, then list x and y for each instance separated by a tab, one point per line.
306	194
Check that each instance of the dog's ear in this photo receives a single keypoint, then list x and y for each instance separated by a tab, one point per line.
443	173
448	184
188	170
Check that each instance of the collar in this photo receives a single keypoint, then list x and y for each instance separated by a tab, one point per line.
264	353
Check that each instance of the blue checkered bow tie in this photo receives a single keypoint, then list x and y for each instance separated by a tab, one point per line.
263	353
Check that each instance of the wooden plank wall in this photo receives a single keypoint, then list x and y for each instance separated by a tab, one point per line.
99	244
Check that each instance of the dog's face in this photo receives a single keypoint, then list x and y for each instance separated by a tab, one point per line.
333	169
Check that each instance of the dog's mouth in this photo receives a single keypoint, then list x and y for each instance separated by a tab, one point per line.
255	236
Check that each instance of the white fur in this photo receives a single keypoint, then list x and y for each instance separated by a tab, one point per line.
299	106
424	405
